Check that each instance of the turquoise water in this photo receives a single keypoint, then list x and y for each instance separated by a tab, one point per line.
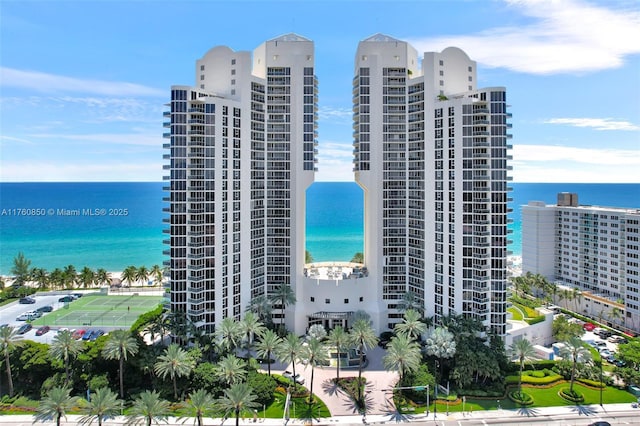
115	240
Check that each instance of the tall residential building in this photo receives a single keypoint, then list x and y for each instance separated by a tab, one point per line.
430	152
242	152
590	248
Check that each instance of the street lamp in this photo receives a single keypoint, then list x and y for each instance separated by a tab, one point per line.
435	395
601	382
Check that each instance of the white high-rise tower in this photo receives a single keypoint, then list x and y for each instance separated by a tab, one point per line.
431	156
242	152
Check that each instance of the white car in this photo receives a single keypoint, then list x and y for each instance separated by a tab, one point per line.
288	375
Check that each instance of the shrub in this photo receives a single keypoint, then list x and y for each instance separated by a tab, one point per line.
572	396
521	398
535	320
592	383
145	319
263	387
533	380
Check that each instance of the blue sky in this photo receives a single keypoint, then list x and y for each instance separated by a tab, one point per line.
82	84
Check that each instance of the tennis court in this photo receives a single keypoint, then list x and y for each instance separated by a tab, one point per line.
100	311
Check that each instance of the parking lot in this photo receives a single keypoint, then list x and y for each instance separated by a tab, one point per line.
9	314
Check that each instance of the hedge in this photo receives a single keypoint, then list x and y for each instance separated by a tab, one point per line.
591	383
514	380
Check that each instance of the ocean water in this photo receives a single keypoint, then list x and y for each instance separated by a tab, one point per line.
120	224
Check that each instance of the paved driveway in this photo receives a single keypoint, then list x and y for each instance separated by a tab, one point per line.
378	400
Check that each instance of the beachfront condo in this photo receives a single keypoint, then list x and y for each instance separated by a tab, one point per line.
591	253
431	154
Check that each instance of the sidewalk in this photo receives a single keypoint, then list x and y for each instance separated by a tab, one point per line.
591	412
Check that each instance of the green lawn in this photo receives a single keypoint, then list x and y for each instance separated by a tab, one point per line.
516	313
299	410
543	397
100	310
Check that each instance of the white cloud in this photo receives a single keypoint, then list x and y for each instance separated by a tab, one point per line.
331	113
595	123
144	139
51	83
545	163
12	139
563	37
335	162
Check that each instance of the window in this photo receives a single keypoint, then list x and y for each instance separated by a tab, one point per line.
201	67
346	300
361	299
313	299
327	301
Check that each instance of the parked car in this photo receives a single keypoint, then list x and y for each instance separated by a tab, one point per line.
88	334
65	299
588	326
76	295
27	316
288	375
600	344
96	334
78	333
47	308
27	300
605	353
600	423
24	328
43	330
617	339
604	334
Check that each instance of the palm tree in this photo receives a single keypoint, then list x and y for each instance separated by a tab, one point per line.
69	276
440	344
523	350
251	327
338	338
615	314
56	278
267	346
20	270
147	408
129	275
174	362
237	398
102	277
261	306
363	337
283	296
118	347
577	297
158	326
403	355
290	350
358	258
9	340
411	325
86	277
40	276
410	300
55	405
142	274
64	347
575	351
231	369
315	353
228	334
156	273
104	405
317	331
198	405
